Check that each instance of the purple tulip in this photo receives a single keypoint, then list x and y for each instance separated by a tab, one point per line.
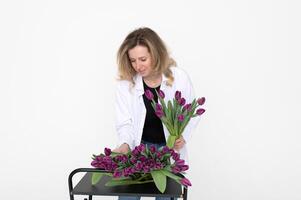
151	163
187	107
133	170
117	174
114	166
200	111
185	182
176	169
126	172
118	158
141	148
108	151
201	101
175	156
159	113
142	158
181	118
165	149
158	154
130	170
181	101
158	107
180	162
124	159
107	159
178	95
184	167
135	152
161	94
138	166
98	162
133	160
94	163
99	158
146	169
158	165
149	95
152	148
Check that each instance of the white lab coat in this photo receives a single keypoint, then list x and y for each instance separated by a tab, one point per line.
131	111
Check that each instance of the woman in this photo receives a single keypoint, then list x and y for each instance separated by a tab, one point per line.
144	63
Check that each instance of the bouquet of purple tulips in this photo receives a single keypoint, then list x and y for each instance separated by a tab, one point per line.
143	164
175	114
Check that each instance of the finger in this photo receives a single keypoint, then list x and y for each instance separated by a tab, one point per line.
125	150
116	151
179	142
179	145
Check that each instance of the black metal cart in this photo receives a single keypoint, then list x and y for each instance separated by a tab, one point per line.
84	187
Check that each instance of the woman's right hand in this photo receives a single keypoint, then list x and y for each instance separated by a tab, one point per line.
124	148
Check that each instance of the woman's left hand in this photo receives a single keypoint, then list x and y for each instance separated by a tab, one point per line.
179	143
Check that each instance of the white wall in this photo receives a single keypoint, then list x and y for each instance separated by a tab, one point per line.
57	76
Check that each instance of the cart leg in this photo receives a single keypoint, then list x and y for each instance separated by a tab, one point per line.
90	197
185	194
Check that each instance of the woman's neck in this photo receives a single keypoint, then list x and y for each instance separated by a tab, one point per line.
153	81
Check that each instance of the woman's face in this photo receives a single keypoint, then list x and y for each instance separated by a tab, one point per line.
141	61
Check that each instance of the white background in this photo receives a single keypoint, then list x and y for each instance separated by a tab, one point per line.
57	80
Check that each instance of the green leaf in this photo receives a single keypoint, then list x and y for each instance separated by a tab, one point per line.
96	176
184	124
171	175
171	141
153	105
162	102
147	150
116	182
175	126
170	112
168	125
114	154
159	179
175	104
169	128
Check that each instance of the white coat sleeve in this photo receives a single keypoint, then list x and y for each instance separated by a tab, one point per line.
124	120
188	94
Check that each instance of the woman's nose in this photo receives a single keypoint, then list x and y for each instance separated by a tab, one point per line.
138	64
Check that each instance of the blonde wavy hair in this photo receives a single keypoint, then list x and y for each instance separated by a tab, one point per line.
159	55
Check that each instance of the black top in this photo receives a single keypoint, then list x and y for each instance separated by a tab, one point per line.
153	129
